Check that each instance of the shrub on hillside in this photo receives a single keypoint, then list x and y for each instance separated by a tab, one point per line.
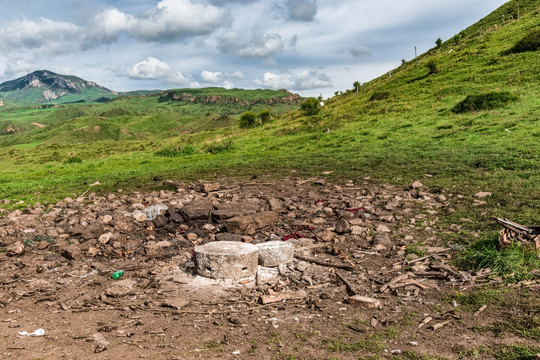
487	101
73	160
432	66
531	42
248	120
310	106
265	116
175	151
219	147
381	95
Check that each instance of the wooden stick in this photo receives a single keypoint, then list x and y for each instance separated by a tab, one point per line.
348	285
479	311
324	263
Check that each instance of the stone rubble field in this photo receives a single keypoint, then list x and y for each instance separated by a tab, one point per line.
317	271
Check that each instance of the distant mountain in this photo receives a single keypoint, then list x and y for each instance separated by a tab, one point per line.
46	87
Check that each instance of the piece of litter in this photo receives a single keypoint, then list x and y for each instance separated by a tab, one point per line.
413	343
236	352
38	332
395	352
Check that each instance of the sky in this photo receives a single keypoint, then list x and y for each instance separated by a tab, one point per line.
309	47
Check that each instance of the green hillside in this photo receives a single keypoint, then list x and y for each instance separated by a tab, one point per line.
398	128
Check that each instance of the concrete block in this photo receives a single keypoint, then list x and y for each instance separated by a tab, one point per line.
226	260
274	253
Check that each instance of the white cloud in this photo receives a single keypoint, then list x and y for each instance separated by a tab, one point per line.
46	36
155	69
211	77
107	25
172	19
260	45
276	81
304	80
302	10
228	85
238	75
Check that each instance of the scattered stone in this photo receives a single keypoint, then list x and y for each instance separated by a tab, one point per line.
383	229
138	216
358	230
105	238
101	343
249	224
120	288
284	295
210	187
275	205
326	235
175	303
16	249
157	248
71	252
416	185
365	302
228	237
226	260
231	210
482	194
197	211
274	253
342	226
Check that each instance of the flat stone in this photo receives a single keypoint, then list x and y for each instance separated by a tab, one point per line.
249	224
416	185
228	237
197	211
120	288
226	260
482	194
365	302
275	205
274	253
231	210
342	226
138	216
71	252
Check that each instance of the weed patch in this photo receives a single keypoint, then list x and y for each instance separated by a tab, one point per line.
480	102
513	263
530	42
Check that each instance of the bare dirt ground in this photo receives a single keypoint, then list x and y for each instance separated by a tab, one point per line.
371	240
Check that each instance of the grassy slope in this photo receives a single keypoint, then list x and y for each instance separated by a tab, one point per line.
404	137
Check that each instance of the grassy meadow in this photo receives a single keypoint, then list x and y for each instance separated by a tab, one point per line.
398	128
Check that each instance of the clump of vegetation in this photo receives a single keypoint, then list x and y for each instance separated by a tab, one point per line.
219	147
176	151
487	101
432	66
472	301
438	42
511	263
264	116
530	42
73	160
380	95
248	120
310	107
526	327
117	112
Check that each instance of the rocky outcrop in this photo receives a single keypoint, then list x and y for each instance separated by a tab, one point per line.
230	100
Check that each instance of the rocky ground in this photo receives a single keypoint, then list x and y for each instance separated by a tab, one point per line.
372	277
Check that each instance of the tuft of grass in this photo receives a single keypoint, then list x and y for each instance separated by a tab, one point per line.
73	160
175	151
488	101
517	352
472	301
513	263
526	327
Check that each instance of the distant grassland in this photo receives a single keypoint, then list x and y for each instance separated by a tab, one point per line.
409	133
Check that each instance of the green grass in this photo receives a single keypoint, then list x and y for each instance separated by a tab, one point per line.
513	263
527	327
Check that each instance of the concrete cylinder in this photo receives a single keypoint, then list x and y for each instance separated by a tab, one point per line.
226	260
274	253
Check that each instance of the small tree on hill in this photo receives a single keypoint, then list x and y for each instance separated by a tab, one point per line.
356	86
265	115
432	66
248	120
438	42
310	106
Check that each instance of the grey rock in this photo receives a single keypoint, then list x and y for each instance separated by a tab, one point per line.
197	211
342	226
249	224
154	211
228	237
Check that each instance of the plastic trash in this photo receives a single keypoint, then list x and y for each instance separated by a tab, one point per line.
38	332
117	274
154	211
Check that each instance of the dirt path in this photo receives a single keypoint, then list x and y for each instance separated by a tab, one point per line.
56	266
